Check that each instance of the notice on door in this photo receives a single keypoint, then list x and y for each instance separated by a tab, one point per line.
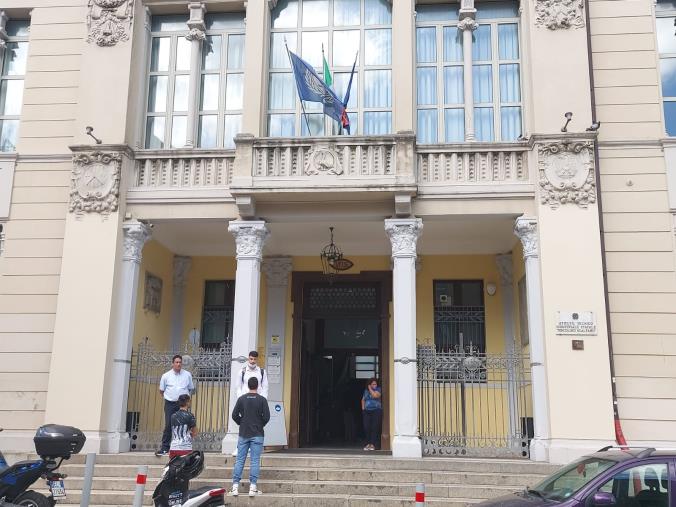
576	323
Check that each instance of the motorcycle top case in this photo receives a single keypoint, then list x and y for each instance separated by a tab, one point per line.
56	441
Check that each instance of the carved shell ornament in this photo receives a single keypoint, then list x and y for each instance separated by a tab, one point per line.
567	174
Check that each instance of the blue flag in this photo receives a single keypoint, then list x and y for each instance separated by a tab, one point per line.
313	89
347	93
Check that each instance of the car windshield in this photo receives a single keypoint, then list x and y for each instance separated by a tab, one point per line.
569	480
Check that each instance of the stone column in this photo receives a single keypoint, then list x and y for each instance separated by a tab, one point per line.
277	271
526	229
505	268
135	235
403	235
467	25
181	267
250	237
196	36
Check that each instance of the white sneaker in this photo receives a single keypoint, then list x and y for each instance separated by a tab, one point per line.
234	491
234	453
254	491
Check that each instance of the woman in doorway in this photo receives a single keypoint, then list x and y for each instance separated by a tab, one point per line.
372	409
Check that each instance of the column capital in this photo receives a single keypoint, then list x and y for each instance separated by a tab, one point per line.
196	21
277	270
135	235
526	229
505	268
403	234
250	237
181	267
468	23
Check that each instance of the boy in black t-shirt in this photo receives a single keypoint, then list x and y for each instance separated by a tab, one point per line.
183	428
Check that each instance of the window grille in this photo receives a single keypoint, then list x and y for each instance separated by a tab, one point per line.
218	312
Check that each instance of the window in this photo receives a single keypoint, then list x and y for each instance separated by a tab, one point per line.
572	478
13	60
459	316
641	485
666	45
217	313
441	101
220	90
343	27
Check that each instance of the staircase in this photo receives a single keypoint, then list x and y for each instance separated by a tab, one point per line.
320	480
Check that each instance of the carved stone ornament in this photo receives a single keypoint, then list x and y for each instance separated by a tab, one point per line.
505	269
468	24
109	21
555	14
135	235
196	34
567	173
323	160
181	268
152	295
277	270
526	229
249	238
404	236
95	182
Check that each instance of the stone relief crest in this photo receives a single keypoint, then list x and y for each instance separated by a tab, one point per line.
152	296
95	182
109	21
555	14
323	160
567	173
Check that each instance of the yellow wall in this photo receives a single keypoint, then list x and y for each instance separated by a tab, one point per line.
157	260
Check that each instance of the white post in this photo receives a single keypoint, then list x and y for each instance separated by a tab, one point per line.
526	229
505	268
277	271
403	235
250	237
181	267
135	236
467	25
196	36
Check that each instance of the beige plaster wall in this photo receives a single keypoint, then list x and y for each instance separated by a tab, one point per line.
638	235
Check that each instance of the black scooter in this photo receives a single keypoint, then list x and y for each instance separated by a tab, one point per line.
173	490
53	443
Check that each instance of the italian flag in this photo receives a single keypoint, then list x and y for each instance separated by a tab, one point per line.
327	73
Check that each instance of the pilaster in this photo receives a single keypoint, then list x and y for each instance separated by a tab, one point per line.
197	35
467	25
403	65
256	64
181	269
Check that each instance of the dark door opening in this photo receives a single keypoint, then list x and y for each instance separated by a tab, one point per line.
340	350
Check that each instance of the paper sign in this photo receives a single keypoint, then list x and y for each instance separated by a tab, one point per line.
274	379
274	340
275	430
274	360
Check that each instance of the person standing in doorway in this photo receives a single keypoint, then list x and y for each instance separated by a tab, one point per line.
183	428
249	370
173	384
251	413
372	409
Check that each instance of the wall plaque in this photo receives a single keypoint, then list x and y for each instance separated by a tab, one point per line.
576	323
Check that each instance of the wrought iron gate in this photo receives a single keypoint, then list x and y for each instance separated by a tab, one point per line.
210	370
472	403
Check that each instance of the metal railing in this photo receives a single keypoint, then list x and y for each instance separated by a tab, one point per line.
473	404
210	370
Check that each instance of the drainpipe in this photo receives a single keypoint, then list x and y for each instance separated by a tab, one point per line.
619	435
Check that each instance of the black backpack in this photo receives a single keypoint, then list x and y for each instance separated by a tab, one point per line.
262	374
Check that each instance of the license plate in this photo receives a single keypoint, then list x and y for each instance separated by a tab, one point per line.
58	489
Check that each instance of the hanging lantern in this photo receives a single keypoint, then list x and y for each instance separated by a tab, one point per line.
332	258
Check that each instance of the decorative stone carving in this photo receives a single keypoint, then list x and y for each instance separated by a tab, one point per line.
109	21
323	160
181	267
404	236
468	24
249	238
152	295
505	268
555	14
567	173
135	235
526	229
95	182
277	270
196	34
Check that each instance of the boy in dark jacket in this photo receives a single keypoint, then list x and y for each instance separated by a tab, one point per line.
251	413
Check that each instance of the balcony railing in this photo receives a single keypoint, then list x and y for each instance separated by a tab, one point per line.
182	174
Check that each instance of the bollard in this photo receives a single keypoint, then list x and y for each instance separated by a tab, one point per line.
88	479
419	494
141	477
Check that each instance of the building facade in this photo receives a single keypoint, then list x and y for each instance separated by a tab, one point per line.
506	267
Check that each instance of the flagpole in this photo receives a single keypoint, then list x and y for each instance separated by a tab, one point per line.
302	104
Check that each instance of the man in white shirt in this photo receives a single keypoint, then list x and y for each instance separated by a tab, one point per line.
173	384
249	370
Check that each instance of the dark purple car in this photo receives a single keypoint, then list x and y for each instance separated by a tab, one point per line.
625	478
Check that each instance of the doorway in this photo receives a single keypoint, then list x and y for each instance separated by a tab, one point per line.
341	339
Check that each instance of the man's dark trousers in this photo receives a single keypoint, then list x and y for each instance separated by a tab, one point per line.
170	408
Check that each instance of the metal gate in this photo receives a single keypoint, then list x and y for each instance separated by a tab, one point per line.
472	403
210	370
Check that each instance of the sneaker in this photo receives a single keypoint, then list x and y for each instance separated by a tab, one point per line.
254	491
367	447
372	447
234	453
161	452
234	491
